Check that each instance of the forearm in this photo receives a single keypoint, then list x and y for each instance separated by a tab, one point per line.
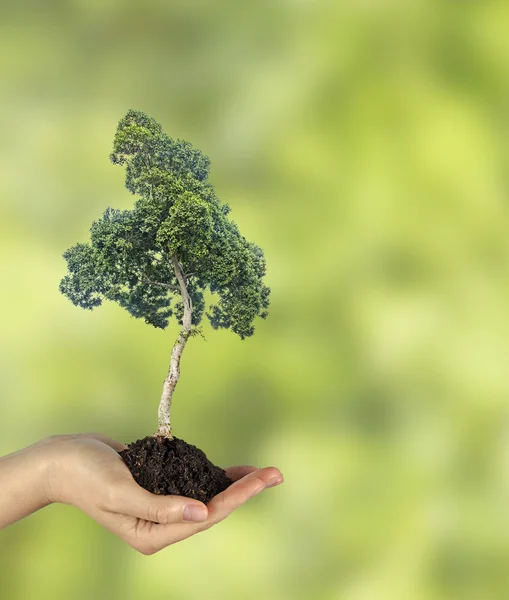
22	485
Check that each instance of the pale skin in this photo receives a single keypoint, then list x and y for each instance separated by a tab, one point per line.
86	471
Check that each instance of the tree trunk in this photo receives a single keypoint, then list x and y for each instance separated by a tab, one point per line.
171	380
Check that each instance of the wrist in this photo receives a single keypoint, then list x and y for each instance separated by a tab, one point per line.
39	462
47	456
23	476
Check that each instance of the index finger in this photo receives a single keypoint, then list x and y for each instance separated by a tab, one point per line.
239	492
160	535
236	473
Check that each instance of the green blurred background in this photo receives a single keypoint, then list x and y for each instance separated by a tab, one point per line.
365	146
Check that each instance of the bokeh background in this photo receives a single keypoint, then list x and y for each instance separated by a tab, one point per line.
365	146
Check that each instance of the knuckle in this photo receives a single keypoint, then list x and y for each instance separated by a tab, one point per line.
165	513
154	514
206	526
110	497
58	437
145	549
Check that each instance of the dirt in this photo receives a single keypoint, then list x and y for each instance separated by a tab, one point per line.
164	466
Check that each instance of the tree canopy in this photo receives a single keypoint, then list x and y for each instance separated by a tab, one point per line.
131	254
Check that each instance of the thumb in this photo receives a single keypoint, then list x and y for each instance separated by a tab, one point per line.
133	500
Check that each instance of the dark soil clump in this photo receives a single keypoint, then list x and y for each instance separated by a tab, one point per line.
164	466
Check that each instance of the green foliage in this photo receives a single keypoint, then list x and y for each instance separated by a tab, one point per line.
177	214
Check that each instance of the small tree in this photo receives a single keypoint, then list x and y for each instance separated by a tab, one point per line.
160	258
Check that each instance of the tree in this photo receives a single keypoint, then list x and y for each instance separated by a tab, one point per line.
159	259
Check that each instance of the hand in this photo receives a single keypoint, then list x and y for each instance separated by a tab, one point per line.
86	471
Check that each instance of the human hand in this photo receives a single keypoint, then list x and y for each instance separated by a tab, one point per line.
86	471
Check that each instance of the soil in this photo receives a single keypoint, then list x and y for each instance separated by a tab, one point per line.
164	466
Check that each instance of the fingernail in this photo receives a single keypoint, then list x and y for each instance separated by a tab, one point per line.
274	481
193	512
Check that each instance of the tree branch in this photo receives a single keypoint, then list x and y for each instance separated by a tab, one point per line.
174	288
186	298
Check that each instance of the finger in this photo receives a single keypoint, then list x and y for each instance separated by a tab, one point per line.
155	537
142	535
239	492
239	472
152	537
129	498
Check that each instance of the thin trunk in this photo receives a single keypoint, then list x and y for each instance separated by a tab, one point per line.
171	380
